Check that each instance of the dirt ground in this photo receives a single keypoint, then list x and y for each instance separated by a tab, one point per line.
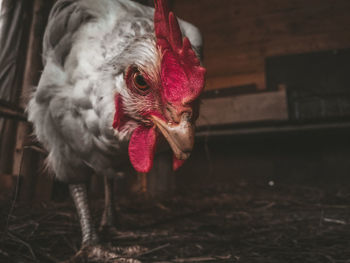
245	223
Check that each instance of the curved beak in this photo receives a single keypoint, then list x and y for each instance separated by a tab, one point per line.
180	136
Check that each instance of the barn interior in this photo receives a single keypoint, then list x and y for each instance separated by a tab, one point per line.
268	179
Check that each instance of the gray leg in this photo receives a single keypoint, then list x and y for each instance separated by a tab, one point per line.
79	195
108	217
91	249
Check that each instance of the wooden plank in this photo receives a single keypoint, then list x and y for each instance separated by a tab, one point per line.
284	128
12	114
264	106
238	80
241	60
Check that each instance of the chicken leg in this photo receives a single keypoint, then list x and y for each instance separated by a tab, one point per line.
91	250
79	195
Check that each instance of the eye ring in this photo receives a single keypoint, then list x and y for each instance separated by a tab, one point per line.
140	82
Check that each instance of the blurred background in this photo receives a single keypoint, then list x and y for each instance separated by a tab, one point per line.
276	107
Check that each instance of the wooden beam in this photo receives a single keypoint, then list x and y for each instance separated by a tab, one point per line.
267	128
238	80
263	106
9	111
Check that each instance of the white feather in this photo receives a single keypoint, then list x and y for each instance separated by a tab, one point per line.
88	44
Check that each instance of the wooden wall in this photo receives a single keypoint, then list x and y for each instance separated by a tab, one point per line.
240	34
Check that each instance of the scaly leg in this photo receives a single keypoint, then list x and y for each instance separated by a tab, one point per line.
91	251
79	195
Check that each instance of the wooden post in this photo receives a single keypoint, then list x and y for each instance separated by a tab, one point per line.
22	158
15	21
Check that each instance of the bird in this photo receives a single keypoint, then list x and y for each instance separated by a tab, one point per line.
118	78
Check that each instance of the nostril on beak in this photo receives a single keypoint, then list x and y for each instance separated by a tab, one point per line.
179	114
180	135
186	116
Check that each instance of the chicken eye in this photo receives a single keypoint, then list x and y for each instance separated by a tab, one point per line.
140	82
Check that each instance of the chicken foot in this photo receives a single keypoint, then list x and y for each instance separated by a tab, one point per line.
98	253
91	250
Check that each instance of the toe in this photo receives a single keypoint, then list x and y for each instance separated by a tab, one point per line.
101	254
130	251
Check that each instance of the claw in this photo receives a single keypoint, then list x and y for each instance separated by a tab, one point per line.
130	251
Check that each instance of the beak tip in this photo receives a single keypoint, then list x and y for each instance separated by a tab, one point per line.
182	155
180	137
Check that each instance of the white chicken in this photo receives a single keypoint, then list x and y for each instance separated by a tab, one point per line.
117	77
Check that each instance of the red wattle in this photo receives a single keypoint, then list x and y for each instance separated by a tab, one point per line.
141	148
177	163
119	116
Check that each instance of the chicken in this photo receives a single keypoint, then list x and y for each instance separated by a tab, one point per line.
118	77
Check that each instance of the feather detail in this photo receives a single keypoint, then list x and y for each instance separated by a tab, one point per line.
87	47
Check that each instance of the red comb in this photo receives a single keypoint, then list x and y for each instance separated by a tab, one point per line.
181	73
